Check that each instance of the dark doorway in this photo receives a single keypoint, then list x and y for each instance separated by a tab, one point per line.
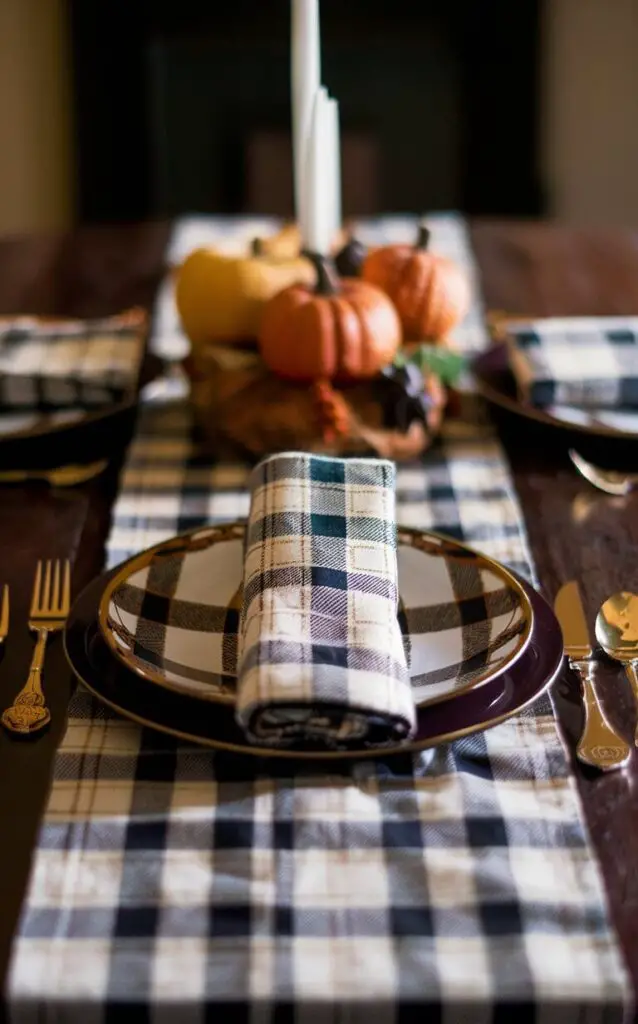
185	106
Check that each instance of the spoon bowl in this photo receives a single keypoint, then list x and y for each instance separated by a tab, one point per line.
607	480
617	634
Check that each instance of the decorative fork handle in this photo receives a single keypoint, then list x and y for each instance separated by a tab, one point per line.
600	745
29	712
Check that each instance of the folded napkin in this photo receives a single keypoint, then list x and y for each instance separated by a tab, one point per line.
320	653
590	362
53	364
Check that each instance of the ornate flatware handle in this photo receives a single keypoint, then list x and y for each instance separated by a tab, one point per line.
29	712
600	745
631	671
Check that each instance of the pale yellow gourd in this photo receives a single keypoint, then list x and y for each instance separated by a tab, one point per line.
221	297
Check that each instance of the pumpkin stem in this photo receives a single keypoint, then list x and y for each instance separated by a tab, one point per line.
327	281
257	247
423	237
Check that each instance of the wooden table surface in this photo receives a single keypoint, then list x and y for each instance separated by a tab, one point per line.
574	531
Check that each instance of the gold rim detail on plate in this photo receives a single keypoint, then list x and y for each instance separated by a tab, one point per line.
234	529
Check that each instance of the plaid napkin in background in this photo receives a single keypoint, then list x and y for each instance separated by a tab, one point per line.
590	362
50	364
183	885
321	654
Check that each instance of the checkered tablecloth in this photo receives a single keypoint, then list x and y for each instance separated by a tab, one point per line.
191	887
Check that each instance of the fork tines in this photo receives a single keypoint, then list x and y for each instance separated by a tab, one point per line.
51	590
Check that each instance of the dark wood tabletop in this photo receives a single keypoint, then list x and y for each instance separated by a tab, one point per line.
574	531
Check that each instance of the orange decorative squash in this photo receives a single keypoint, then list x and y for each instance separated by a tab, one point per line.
430	292
338	330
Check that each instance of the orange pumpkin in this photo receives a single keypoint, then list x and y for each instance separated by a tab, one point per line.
430	292
339	330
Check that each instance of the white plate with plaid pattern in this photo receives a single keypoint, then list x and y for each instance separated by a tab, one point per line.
171	614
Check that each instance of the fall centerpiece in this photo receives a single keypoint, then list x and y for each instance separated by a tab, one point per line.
311	340
326	373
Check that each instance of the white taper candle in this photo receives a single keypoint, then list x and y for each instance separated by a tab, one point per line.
333	167
317	234
305	80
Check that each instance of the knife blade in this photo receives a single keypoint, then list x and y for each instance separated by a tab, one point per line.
571	615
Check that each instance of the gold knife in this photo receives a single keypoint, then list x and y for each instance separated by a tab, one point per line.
600	745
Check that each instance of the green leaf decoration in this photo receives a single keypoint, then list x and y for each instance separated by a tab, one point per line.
447	365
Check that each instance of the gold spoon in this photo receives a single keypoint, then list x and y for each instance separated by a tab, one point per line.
607	480
62	476
617	634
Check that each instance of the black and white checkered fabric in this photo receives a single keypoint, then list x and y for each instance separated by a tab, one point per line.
590	362
57	364
184	886
321	654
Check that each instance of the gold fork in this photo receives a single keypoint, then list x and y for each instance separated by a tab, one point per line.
50	605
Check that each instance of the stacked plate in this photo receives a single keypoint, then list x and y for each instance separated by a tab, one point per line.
156	639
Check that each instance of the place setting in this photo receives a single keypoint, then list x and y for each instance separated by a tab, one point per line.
572	380
161	642
70	391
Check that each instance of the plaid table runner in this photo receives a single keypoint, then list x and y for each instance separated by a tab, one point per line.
180	884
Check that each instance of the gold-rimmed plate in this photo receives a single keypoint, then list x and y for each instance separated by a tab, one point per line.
129	694
171	614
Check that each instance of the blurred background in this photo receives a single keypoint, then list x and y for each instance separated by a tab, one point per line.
113	110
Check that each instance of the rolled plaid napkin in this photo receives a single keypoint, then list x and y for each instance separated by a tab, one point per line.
54	364
321	656
591	362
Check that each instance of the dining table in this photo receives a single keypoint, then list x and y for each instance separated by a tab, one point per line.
531	268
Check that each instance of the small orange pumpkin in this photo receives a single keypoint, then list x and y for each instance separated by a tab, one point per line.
339	330
430	292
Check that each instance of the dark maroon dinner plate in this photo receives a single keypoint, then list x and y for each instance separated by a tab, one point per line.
603	445
214	724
